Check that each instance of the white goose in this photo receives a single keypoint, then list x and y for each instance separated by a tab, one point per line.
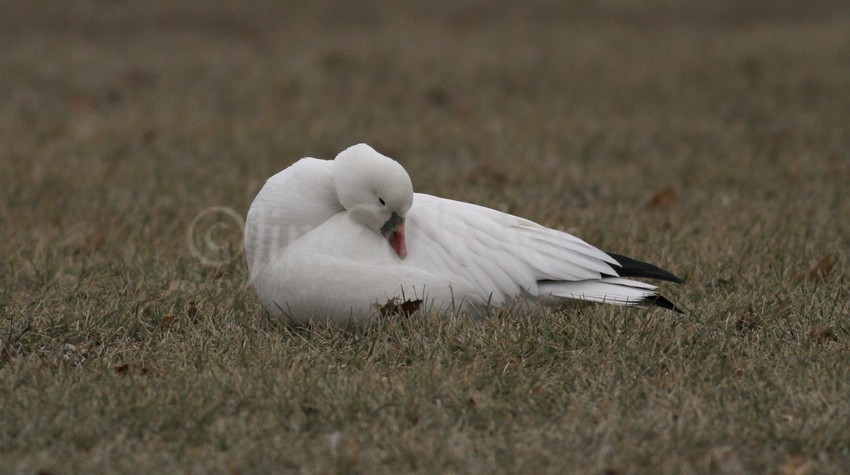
336	240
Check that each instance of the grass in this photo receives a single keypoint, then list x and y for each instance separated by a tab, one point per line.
709	139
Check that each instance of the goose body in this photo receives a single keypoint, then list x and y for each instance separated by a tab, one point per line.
336	240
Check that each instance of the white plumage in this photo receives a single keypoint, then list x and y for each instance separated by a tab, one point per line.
334	240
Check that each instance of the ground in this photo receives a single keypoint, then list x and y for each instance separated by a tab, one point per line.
710	138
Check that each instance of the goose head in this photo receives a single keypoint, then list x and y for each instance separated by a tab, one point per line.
376	190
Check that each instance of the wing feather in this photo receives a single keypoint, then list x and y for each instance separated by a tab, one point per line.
502	255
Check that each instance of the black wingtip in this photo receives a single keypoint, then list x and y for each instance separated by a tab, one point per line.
634	268
662	302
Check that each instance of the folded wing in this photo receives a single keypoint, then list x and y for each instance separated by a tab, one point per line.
504	256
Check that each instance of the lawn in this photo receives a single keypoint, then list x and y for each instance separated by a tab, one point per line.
710	138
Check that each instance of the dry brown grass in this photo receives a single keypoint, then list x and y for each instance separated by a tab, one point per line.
712	140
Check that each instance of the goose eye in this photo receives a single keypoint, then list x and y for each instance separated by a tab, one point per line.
381	200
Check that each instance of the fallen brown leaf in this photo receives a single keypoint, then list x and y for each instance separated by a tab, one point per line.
410	306
139	78
489	172
821	334
663	199
393	307
167	321
149	136
438	95
820	270
838	166
147	312
80	102
752	69
126	368
797	465
746	320
192	311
